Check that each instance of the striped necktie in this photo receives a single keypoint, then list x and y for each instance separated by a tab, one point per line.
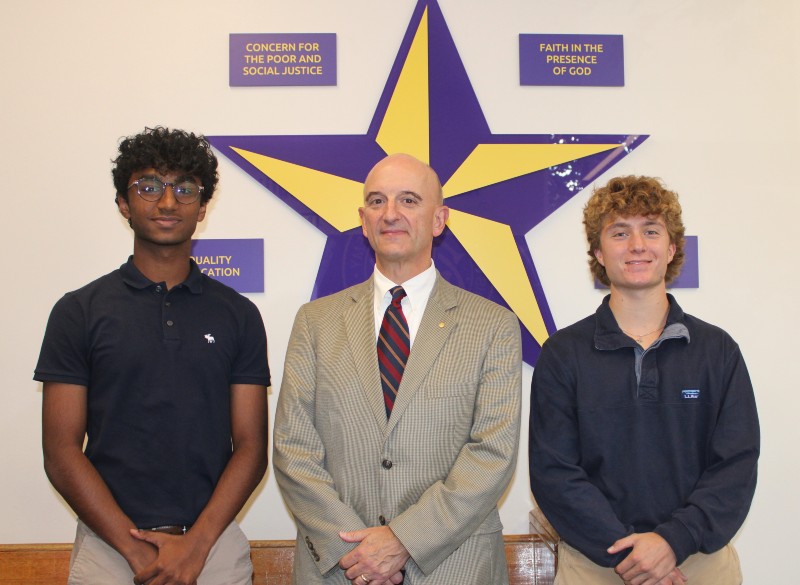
393	348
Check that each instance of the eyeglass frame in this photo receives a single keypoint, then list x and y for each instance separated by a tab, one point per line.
166	184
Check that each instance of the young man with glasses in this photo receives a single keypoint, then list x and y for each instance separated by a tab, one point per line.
164	372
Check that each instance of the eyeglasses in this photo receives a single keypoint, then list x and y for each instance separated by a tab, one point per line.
152	189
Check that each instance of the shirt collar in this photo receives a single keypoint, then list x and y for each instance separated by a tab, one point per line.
133	277
417	288
608	335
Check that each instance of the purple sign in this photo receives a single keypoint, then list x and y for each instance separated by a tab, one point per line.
690	271
689	276
282	59
571	60
237	263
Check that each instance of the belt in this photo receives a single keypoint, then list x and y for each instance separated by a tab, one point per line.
169	529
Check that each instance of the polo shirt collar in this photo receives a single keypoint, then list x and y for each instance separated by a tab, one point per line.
194	282
134	278
608	335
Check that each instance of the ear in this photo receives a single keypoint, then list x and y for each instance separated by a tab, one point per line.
201	212
599	255
361	217
672	248
440	219
122	205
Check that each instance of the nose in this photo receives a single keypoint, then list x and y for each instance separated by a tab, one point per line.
390	213
636	242
167	200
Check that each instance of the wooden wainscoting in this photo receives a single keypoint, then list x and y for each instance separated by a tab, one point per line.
530	562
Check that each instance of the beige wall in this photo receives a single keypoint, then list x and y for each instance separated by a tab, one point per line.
715	84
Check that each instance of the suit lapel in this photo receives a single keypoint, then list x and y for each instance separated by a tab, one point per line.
436	326
359	323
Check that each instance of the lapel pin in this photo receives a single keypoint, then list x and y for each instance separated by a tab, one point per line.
441	324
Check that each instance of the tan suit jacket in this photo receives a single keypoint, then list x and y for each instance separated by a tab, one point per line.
435	470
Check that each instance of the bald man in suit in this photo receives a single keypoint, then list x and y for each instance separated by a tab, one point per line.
385	487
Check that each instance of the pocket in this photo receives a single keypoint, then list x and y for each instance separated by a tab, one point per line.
229	559
93	561
438	391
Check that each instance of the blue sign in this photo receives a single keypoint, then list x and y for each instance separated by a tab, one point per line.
237	263
283	59
588	60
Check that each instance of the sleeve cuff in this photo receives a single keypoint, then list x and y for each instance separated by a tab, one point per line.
679	539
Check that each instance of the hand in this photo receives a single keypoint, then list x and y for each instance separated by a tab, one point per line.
676	577
650	561
140	555
395	579
179	561
379	556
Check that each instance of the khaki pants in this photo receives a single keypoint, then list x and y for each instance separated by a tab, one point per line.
719	568
94	562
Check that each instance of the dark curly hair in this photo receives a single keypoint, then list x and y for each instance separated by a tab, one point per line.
626	197
166	151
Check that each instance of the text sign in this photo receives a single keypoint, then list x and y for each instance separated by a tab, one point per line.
237	263
571	60
282	59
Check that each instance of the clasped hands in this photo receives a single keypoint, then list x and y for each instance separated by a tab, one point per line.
378	558
176	560
650	562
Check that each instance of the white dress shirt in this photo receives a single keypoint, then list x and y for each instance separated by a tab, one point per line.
418	291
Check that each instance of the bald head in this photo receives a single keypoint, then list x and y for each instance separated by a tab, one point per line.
403	211
411	167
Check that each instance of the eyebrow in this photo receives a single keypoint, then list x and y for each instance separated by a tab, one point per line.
401	194
649	222
411	193
160	177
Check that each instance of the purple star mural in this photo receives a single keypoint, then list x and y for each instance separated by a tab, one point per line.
498	186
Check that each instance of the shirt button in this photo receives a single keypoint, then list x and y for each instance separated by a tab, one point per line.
158	288
382	520
170	323
386	463
167	304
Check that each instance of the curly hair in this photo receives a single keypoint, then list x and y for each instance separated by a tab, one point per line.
166	151
626	197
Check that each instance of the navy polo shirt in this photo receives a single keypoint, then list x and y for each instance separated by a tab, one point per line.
158	366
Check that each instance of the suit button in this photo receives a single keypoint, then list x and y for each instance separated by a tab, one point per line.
386	463
382	520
